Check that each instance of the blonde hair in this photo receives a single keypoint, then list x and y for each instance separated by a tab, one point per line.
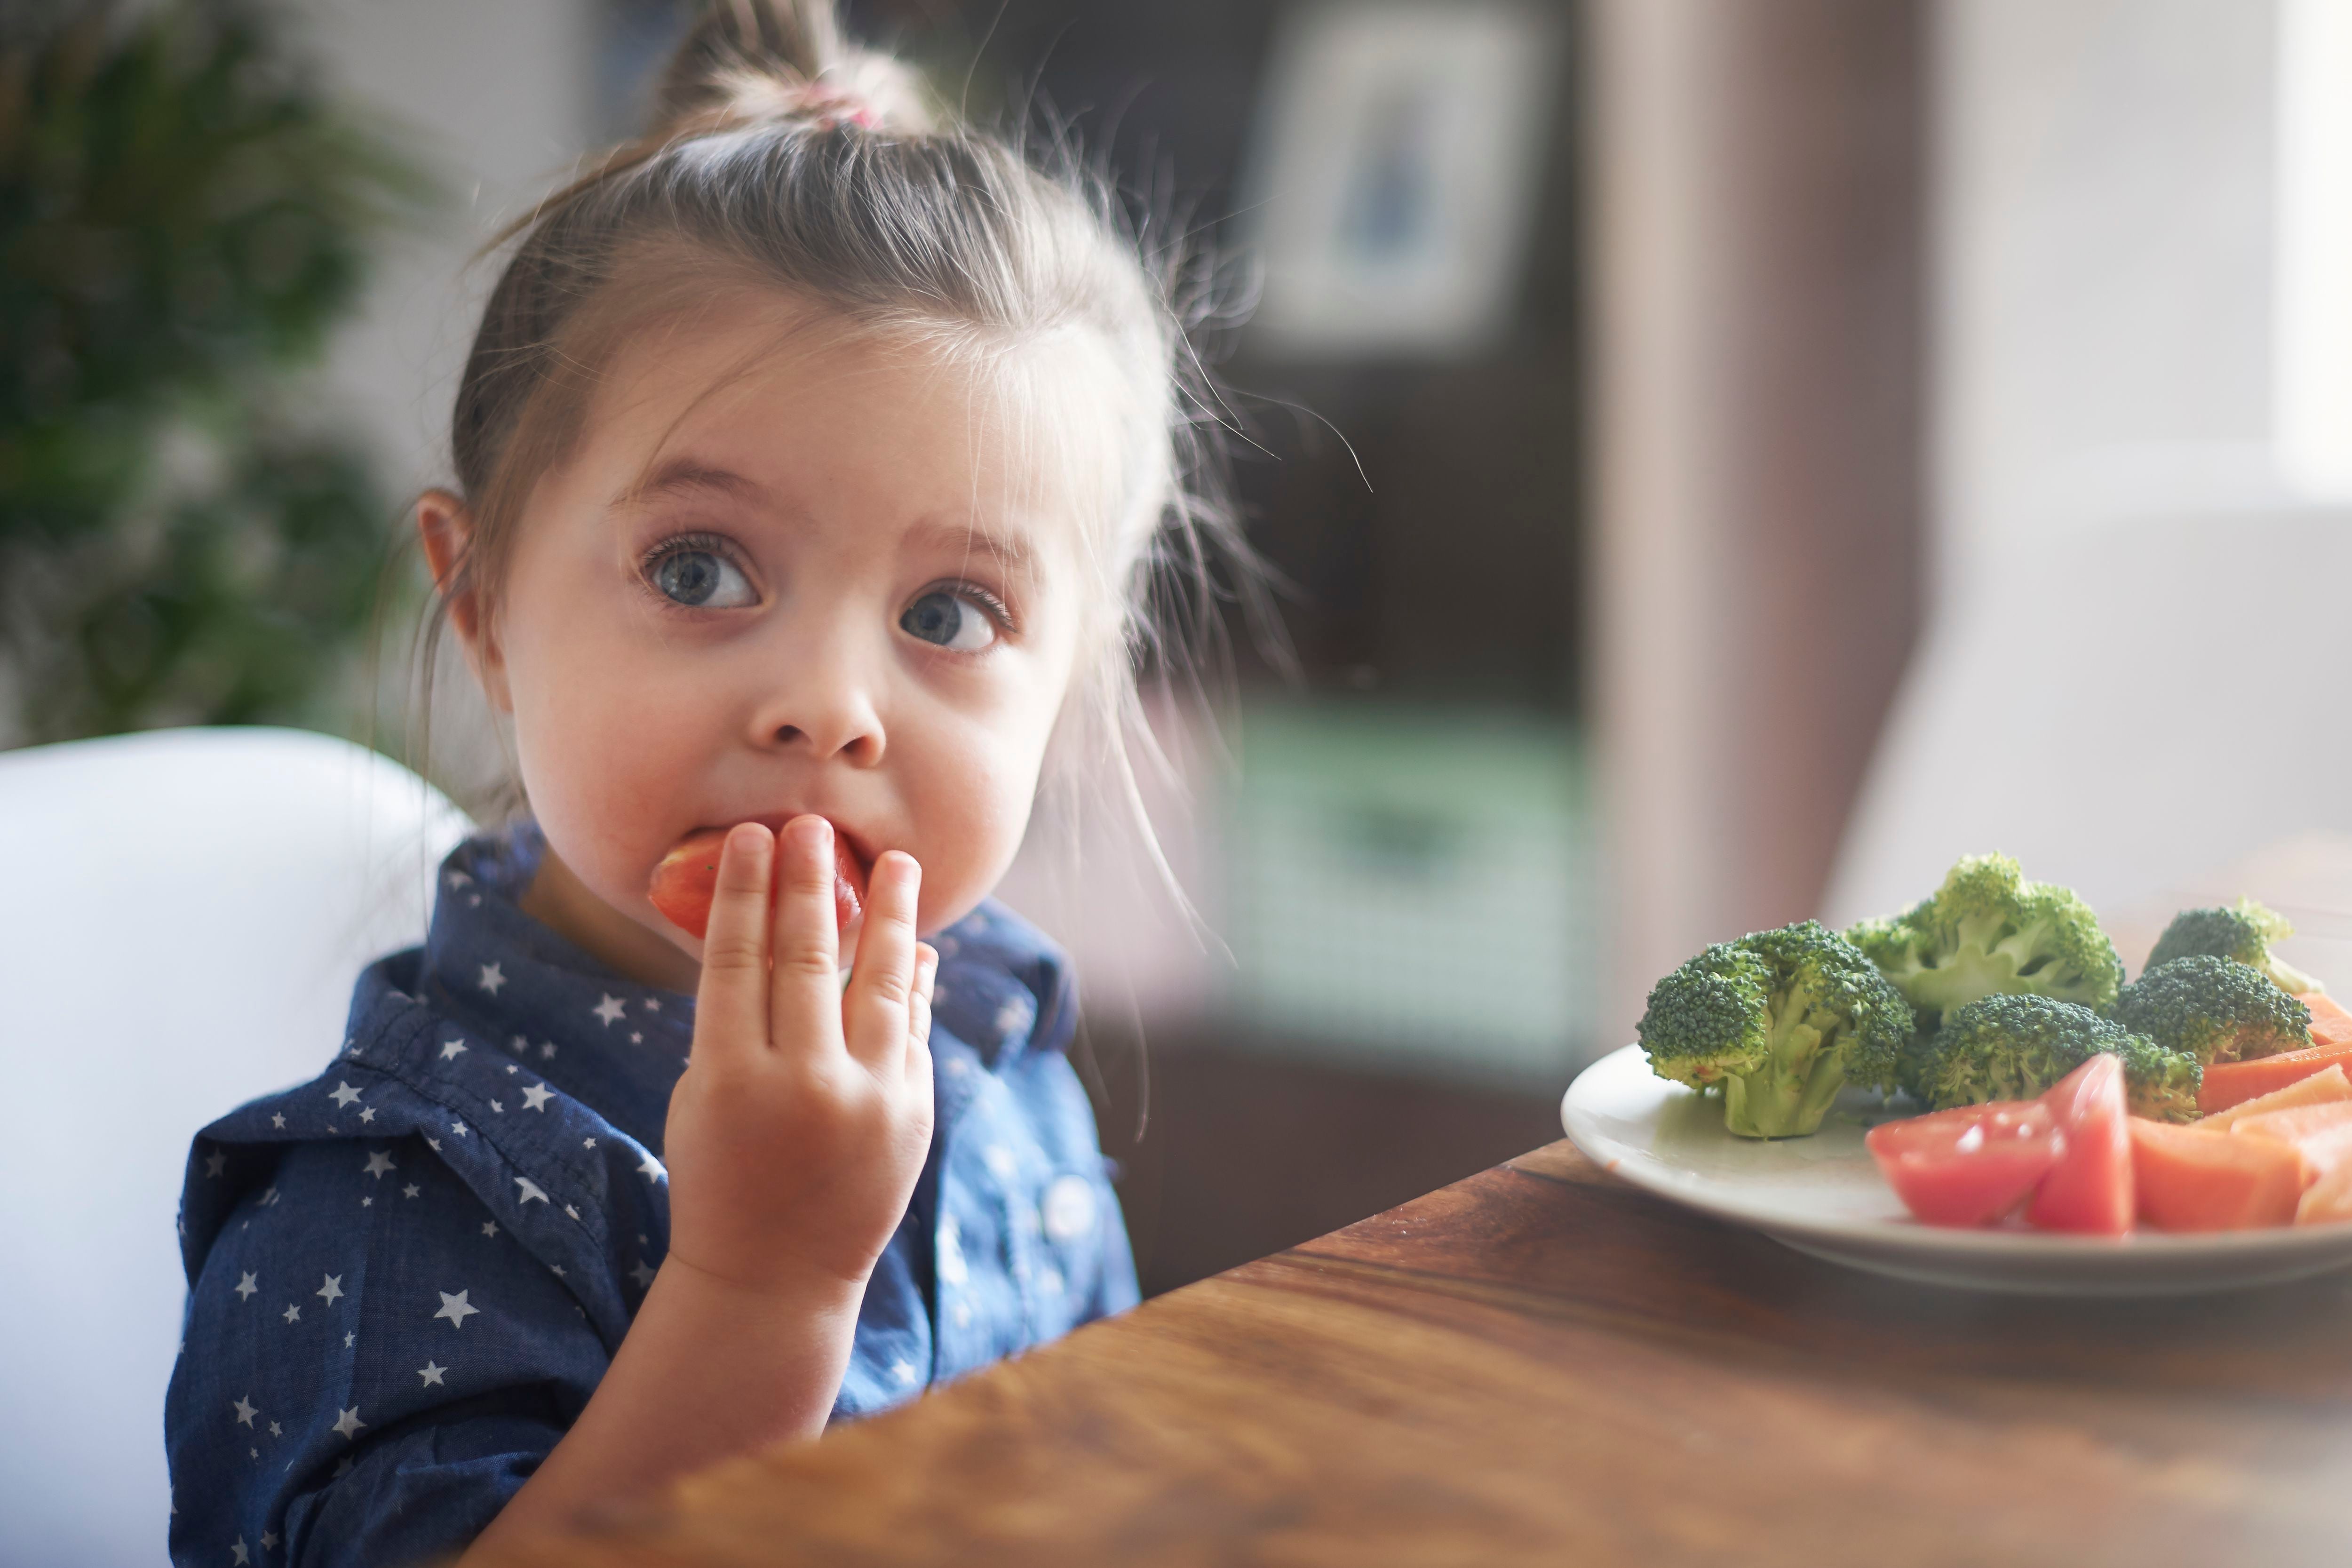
783	156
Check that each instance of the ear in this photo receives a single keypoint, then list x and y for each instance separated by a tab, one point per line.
447	530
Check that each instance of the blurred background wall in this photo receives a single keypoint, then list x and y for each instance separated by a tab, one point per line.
1638	396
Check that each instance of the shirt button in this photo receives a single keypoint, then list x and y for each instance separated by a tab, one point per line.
1070	1208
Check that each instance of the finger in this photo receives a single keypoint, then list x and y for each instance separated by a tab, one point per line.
918	1006
873	1011
730	1004
804	996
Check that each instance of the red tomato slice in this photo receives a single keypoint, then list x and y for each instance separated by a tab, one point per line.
687	877
2089	1191
1971	1164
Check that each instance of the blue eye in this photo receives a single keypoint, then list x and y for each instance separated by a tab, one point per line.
948	621
702	579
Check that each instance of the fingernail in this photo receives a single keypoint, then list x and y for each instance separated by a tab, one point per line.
746	837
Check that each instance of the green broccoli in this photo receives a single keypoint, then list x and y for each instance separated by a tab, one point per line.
2014	1046
1778	1021
2244	933
2215	1009
1989	932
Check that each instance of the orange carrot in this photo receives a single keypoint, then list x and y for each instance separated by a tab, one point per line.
2233	1083
2188	1178
2328	1083
2331	1026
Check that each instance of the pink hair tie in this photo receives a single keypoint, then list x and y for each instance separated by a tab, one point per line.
827	107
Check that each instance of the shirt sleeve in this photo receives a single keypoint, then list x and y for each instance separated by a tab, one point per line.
372	1366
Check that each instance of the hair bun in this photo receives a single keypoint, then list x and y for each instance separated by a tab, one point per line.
781	62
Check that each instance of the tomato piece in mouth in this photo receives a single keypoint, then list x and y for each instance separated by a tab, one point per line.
684	883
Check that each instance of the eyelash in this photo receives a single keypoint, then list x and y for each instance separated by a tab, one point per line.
998	611
711	544
679	544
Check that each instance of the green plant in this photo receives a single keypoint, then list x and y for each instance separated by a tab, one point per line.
182	218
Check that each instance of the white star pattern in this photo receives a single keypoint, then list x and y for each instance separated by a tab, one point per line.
275	1431
635	1039
343	1093
587	1143
238	1546
496	1108
367	1203
455	1307
431	1373
547	1048
378	1164
653	1004
459	1128
434	1144
245	1410
573	1212
367	1114
520	1044
531	1191
641	1274
904	1370
279	1121
512	1069
535	1097
293	1313
332	1289
492	978
452	1050
608	1009
216	1165
411	1190
245	1289
460	879
652	1170
348	1422
268	1539
489	1227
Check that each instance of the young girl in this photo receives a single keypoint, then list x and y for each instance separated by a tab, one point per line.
810	460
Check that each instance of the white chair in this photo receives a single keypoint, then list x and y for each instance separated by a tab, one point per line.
2124	707
182	916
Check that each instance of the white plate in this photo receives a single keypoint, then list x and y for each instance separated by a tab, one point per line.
1823	1195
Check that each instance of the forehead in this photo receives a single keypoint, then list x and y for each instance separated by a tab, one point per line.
763	401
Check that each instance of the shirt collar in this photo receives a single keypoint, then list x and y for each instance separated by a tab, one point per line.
598	1035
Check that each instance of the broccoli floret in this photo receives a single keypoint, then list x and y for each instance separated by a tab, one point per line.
1989	932
2015	1047
2215	1009
2244	933
1778	1021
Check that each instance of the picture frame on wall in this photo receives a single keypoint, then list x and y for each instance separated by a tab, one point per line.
1393	173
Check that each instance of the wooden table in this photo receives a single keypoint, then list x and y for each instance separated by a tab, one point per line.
1543	1364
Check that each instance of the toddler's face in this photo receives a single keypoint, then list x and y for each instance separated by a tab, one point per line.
828	578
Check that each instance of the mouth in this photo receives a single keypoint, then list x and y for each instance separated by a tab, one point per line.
684	884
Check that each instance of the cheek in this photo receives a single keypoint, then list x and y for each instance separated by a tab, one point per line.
968	796
603	731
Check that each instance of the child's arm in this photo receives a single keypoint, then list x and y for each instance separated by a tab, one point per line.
793	1142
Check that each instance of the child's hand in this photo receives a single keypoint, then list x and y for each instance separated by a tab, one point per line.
796	1135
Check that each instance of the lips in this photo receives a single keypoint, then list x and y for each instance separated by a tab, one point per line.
684	884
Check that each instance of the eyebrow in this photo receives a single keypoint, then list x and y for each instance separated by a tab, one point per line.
1006	550
682	476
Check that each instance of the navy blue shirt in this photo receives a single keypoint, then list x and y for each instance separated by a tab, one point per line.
408	1276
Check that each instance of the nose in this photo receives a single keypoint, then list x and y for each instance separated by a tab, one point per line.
822	697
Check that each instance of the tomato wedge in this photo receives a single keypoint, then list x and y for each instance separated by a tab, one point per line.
687	877
2089	1191
1971	1164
